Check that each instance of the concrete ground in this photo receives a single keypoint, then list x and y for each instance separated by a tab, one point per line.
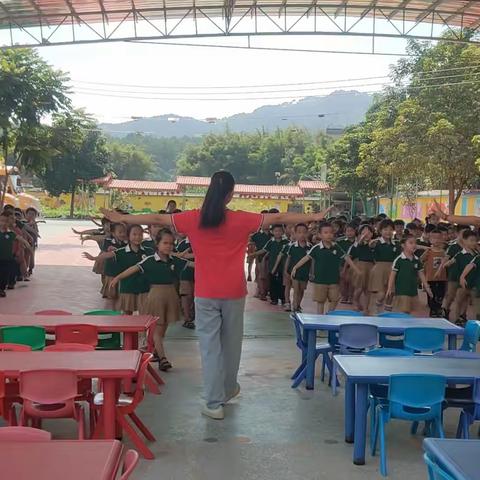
270	432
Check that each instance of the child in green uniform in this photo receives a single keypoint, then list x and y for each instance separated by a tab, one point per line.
453	249
260	239
296	251
470	278
459	262
385	251
161	271
133	290
327	257
7	258
187	283
362	255
272	249
407	269
346	284
117	240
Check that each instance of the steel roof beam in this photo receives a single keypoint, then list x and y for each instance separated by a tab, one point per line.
398	9
341	8
461	10
429	10
73	12
228	7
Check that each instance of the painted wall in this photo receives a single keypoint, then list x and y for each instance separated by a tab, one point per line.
469	204
159	202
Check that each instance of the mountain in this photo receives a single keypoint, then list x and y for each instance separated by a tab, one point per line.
337	110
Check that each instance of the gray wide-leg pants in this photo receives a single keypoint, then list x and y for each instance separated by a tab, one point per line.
219	325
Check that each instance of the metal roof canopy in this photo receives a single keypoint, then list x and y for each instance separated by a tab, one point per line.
54	22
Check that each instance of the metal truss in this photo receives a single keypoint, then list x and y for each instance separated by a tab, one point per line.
204	19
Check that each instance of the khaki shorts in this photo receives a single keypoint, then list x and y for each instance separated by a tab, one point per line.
186	287
322	293
107	292
405	304
379	276
362	279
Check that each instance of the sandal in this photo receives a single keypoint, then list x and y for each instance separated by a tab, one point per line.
164	364
189	324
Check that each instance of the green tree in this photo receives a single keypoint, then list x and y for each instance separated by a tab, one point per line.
82	155
29	90
129	162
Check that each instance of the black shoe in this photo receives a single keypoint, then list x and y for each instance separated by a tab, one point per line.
249	278
2	293
10	287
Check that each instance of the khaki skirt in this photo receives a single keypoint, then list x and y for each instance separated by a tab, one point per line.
107	292
379	277
132	302
163	302
361	280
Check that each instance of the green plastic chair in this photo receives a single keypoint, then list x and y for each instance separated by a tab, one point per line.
107	341
25	335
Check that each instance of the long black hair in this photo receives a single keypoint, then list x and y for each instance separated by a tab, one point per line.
221	186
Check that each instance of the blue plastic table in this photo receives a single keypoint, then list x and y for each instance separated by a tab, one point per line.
360	371
459	458
390	326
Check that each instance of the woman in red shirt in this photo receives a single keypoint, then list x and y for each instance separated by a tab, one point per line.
219	238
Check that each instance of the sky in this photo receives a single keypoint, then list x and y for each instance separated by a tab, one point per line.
101	74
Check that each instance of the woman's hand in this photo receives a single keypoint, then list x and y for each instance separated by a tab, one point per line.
437	209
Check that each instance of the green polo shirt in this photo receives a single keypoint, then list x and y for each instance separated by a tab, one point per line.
260	239
462	259
125	258
384	251
188	273
361	252
475	275
327	264
452	271
295	253
345	243
406	280
160	272
274	248
6	245
111	269
149	243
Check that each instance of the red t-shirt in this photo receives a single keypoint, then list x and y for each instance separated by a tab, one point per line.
219	252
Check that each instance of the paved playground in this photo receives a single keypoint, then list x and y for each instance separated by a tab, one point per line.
271	432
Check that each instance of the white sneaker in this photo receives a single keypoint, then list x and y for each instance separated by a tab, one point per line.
234	394
215	413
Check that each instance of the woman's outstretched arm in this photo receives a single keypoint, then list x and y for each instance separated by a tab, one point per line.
146	219
293	218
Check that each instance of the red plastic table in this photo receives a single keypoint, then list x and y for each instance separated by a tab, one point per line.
60	459
111	366
130	325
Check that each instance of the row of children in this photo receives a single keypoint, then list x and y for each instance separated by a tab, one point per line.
18	240
376	264
146	275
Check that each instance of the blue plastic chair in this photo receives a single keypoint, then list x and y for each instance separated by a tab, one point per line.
470	412
424	339
333	336
411	397
435	471
379	393
320	349
471	335
354	338
388	340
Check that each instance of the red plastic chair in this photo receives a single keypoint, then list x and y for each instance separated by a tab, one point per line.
127	405
129	463
14	347
23	434
78	333
50	394
85	387
52	312
69	347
